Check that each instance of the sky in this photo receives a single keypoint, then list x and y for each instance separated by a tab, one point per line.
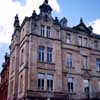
73	10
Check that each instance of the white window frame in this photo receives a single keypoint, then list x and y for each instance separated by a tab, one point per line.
98	64
85	42
95	44
85	62
48	31
43	30
80	40
41	53
68	38
49	55
69	60
41	76
71	81
50	78
86	83
99	86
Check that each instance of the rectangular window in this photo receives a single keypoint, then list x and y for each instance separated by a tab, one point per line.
80	40
98	64
95	44
22	56
49	55
50	82
85	42
68	38
41	53
69	60
90	43
41	78
70	85
48	32
99	86
13	64
11	87
21	84
42	30
85	62
86	87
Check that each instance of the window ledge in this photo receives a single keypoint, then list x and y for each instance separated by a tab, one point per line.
71	93
43	91
46	63
70	67
86	69
98	71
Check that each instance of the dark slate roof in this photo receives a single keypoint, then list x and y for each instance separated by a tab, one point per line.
82	27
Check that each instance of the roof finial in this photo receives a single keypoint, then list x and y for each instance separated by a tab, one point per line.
16	23
46	1
81	20
34	13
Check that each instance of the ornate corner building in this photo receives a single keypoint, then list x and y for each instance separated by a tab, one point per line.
51	61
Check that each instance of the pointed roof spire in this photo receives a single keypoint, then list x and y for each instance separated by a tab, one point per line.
16	23
34	13
81	20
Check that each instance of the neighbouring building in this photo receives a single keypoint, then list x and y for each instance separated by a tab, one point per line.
4	79
51	61
0	79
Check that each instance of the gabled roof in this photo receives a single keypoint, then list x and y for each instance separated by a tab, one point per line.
82	27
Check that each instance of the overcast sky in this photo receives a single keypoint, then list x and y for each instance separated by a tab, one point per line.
89	10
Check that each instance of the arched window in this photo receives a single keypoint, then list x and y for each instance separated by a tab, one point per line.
21	84
22	56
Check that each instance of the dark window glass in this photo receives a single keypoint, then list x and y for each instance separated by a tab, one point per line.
70	85
42	83
48	31
42	30
96	44
49	84
39	83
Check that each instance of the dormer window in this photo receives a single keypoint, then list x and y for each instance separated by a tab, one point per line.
80	40
45	31
95	44
68	38
48	31
42	30
84	42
